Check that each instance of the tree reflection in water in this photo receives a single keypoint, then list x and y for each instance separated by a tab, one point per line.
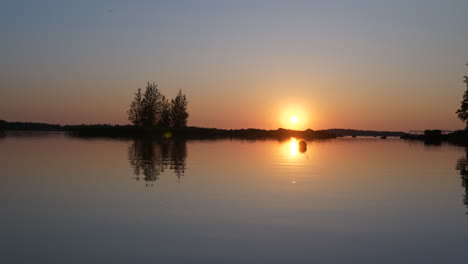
462	168
150	158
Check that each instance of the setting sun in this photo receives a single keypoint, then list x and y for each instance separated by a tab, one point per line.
294	119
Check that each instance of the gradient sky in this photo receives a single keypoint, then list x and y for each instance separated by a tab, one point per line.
383	65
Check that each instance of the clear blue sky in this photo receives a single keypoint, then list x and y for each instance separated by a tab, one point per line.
390	65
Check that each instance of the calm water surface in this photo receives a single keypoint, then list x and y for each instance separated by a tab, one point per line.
69	200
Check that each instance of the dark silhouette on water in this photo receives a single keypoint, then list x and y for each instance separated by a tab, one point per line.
302	146
150	159
435	137
462	168
132	131
365	133
194	133
28	126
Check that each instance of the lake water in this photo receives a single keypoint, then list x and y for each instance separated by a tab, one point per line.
347	200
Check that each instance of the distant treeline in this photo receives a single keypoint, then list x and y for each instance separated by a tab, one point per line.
129	131
365	133
27	126
193	132
20	126
459	137
435	137
190	132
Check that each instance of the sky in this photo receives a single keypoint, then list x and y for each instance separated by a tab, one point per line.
376	65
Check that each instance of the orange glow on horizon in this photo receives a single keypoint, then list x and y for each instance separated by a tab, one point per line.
295	117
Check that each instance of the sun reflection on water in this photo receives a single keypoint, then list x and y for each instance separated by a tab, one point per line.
293	147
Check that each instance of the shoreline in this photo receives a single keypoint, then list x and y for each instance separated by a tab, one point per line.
194	133
432	137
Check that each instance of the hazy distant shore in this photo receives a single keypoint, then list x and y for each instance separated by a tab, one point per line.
435	137
129	131
194	132
189	132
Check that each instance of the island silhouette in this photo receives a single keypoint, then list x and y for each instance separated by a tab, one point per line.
152	115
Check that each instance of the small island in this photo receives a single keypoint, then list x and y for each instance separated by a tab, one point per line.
152	115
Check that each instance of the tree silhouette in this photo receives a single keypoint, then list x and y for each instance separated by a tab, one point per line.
145	110
179	113
152	108
165	120
463	111
151	105
135	111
